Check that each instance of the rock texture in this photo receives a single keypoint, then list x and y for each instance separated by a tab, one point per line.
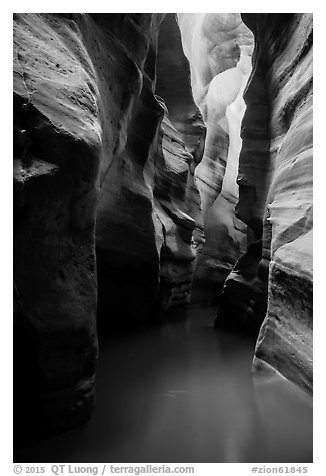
285	339
112	196
149	204
219	48
244	297
126	248
177	200
57	141
257	257
93	143
68	130
273	280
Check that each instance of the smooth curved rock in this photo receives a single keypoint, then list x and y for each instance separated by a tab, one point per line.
109	135
83	85
149	204
219	49
92	139
177	200
243	300
272	282
127	254
57	141
285	340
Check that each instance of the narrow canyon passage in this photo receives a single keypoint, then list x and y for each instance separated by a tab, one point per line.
163	162
184	392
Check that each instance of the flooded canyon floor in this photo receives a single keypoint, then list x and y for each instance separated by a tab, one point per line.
184	392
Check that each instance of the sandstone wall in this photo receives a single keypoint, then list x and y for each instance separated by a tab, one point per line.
177	199
285	339
109	134
149	204
272	282
126	248
96	154
80	81
219	48
57	143
257	257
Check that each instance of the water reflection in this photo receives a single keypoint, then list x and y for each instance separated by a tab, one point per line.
184	392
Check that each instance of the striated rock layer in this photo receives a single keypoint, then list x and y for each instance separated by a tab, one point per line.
149	204
273	280
285	340
108	142
219	48
177	200
57	143
126	248
92	140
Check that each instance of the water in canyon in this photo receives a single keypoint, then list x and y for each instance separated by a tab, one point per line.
184	392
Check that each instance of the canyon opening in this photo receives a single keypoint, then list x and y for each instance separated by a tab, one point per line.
163	237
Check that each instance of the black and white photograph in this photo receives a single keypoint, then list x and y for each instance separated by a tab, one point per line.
162	241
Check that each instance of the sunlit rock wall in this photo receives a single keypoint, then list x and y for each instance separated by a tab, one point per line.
243	300
219	48
273	280
257	209
177	200
285	53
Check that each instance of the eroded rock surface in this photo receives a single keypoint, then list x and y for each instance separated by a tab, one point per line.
219	48
285	339
110	121
92	140
57	142
273	280
149	204
127	253
177	199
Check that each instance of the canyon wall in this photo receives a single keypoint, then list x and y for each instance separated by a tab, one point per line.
219	48
126	224
272	281
177	199
285	54
148	204
105	207
57	143
256	196
114	185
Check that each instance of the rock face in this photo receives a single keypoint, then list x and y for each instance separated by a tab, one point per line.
57	141
177	200
273	280
149	204
219	48
67	131
112	196
126	249
257	257
285	54
93	143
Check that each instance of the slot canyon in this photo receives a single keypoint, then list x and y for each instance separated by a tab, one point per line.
162	237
